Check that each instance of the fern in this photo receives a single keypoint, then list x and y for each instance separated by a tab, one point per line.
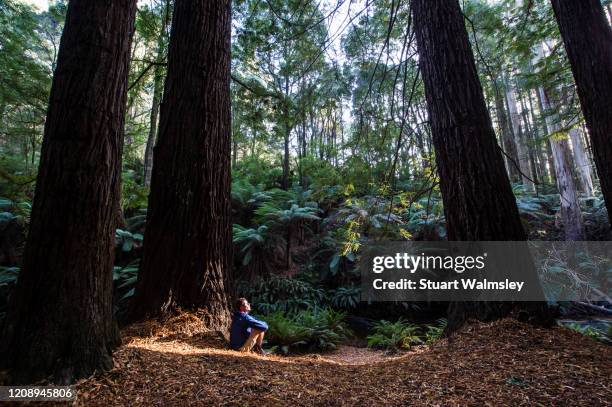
394	335
318	330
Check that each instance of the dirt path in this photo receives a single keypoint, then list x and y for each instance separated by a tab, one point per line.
355	356
500	363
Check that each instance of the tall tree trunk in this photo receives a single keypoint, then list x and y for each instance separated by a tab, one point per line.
519	139
473	181
582	162
60	321
286	134
529	141
506	136
148	157
549	154
478	200
571	215
588	41
542	157
187	245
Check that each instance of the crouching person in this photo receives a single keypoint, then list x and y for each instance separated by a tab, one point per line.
247	333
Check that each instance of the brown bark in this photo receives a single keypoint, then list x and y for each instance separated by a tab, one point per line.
61	318
187	245
588	41
474	184
478	200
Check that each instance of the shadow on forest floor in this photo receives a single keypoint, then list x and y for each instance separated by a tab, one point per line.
501	362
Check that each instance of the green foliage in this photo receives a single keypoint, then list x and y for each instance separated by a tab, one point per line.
124	279
403	335
26	41
426	215
17	179
134	196
394	335
319	330
283	218
346	297
127	241
20	209
598	335
539	208
282	294
8	275
319	174
250	240
257	170
435	331
136	223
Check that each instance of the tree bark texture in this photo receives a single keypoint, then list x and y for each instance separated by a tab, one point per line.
588	41
571	214
478	200
582	162
519	140
60	320
479	204
506	137
187	245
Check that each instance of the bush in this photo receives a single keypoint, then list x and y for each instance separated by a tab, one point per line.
403	335
394	335
346	297
435	331
282	294
320	330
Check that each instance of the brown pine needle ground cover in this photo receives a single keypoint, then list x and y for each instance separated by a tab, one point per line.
500	363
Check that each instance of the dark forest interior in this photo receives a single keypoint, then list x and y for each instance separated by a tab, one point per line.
161	158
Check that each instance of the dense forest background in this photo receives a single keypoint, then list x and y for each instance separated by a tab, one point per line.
331	148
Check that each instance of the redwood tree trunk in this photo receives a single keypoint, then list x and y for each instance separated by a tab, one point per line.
61	317
474	184
588	41
478	200
187	245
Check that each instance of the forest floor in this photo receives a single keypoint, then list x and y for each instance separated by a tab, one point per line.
504	362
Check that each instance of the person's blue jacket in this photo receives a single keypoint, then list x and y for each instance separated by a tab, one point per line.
242	323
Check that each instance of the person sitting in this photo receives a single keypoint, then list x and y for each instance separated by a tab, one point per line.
246	332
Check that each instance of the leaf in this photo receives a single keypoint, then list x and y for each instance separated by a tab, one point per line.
128	294
555	269
247	258
333	265
127	245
